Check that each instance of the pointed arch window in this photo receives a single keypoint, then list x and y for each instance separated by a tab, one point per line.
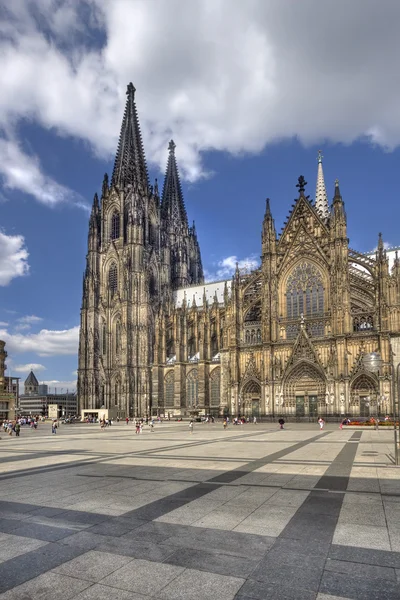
192	398
215	387
115	225
113	279
304	292
169	389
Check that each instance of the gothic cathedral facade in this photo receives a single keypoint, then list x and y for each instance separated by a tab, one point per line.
285	339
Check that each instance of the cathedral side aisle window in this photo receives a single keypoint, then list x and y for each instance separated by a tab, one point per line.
115	226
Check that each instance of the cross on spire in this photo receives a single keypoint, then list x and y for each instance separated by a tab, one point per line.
301	184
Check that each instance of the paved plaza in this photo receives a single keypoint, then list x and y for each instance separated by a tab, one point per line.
247	513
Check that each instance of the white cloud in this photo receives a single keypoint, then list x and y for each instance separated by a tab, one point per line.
3	324
26	322
61	385
13	258
23	172
29	319
29	367
22	327
232	76
225	268
44	343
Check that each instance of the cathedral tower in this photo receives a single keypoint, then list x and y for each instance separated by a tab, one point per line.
138	251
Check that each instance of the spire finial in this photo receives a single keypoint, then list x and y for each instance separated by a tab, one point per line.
130	90
320	156
267	208
171	147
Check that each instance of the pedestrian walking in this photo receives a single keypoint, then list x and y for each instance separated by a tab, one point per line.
191	426
17	429
281	423
321	423
151	425
255	420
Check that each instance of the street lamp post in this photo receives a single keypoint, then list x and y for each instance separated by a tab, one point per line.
373	362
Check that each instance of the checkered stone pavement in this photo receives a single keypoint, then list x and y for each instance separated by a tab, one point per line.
248	513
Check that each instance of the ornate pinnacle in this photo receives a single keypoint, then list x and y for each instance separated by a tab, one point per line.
130	90
171	147
320	156
301	184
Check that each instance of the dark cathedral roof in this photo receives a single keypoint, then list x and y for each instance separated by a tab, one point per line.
172	203
130	163
31	379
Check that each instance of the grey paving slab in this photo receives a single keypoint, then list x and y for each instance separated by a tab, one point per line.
367	556
93	565
213	562
9	525
31	564
103	592
143	577
197	585
360	570
84	540
260	590
274	573
43	532
229	542
49	586
358	588
137	549
12	546
116	526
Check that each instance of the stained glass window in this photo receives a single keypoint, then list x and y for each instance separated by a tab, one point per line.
304	292
215	387
115	226
169	389
192	389
113	278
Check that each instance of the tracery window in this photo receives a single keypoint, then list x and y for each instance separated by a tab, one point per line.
363	323
115	225
169	389
215	387
254	313
113	279
304	292
192	387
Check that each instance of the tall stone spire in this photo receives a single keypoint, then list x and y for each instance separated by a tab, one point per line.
172	204
321	197
130	163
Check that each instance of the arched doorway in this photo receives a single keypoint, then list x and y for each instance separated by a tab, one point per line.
304	389
251	398
364	394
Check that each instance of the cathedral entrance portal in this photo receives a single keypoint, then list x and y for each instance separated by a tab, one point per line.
303	389
251	394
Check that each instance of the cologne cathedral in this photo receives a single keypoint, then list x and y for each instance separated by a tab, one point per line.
288	338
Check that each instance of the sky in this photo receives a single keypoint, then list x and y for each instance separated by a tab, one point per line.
249	91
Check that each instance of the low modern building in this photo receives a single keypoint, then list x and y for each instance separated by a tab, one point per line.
36	399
